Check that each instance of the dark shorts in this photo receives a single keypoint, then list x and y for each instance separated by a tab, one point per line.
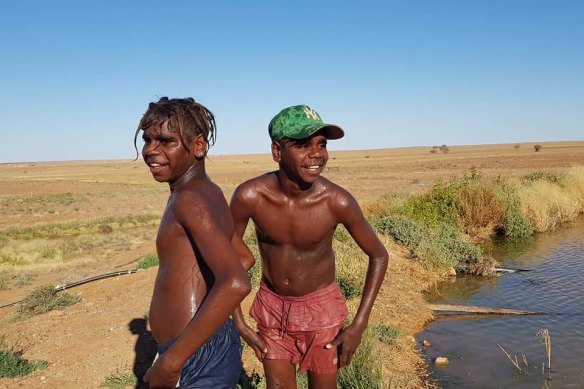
297	329
216	365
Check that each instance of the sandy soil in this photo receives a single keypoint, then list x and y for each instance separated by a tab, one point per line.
100	336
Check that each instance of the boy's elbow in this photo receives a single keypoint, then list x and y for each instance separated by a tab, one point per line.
382	260
248	262
241	286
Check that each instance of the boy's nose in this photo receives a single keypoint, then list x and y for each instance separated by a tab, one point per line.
314	152
150	148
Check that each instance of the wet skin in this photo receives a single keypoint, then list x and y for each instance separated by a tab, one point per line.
295	212
200	280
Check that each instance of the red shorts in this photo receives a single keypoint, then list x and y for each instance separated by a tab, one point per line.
297	329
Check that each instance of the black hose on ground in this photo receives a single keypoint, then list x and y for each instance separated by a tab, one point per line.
81	282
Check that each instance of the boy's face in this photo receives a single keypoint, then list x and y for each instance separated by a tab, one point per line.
302	159
165	154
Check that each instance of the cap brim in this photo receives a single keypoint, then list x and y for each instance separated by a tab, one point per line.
331	131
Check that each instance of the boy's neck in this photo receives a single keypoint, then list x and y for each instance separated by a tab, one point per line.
195	171
293	188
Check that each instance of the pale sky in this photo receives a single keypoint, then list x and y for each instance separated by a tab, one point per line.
77	76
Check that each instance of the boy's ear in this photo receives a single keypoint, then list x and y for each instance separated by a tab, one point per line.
276	151
199	147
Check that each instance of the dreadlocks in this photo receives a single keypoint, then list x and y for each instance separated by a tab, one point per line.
185	116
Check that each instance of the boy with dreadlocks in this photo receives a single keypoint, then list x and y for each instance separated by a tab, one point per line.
200	279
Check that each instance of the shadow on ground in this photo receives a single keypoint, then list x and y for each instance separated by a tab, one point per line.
145	349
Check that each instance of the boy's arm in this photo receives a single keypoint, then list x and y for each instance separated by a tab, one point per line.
241	213
352	218
230	286
241	206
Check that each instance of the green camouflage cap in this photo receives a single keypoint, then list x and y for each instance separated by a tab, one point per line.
299	122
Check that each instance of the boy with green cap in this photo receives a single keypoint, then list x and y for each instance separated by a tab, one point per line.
299	308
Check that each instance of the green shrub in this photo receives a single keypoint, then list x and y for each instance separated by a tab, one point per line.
301	380
364	372
437	206
439	246
120	381
515	224
255	273
385	334
149	260
468	203
543	176
341	234
12	364
43	299
403	230
445	245
349	287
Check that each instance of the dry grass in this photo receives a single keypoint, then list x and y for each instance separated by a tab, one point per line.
573	183
513	359
544	335
481	210
38	256
548	205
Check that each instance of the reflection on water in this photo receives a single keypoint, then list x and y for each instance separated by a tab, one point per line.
553	284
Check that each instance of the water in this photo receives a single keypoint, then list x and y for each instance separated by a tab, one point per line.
554	284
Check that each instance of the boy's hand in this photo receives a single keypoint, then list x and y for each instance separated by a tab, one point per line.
252	339
348	340
162	374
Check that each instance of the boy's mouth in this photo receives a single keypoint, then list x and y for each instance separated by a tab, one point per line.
314	169
155	167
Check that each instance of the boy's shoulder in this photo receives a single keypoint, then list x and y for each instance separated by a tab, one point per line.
331	187
203	195
336	193
257	184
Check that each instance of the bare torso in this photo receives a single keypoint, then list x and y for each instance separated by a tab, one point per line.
183	279
296	248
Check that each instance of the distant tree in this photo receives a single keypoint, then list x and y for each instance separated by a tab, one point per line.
444	149
433	151
537	148
517	146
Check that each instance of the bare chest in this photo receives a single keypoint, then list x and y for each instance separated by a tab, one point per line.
171	235
295	224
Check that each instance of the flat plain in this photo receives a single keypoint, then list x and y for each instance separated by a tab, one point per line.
116	204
